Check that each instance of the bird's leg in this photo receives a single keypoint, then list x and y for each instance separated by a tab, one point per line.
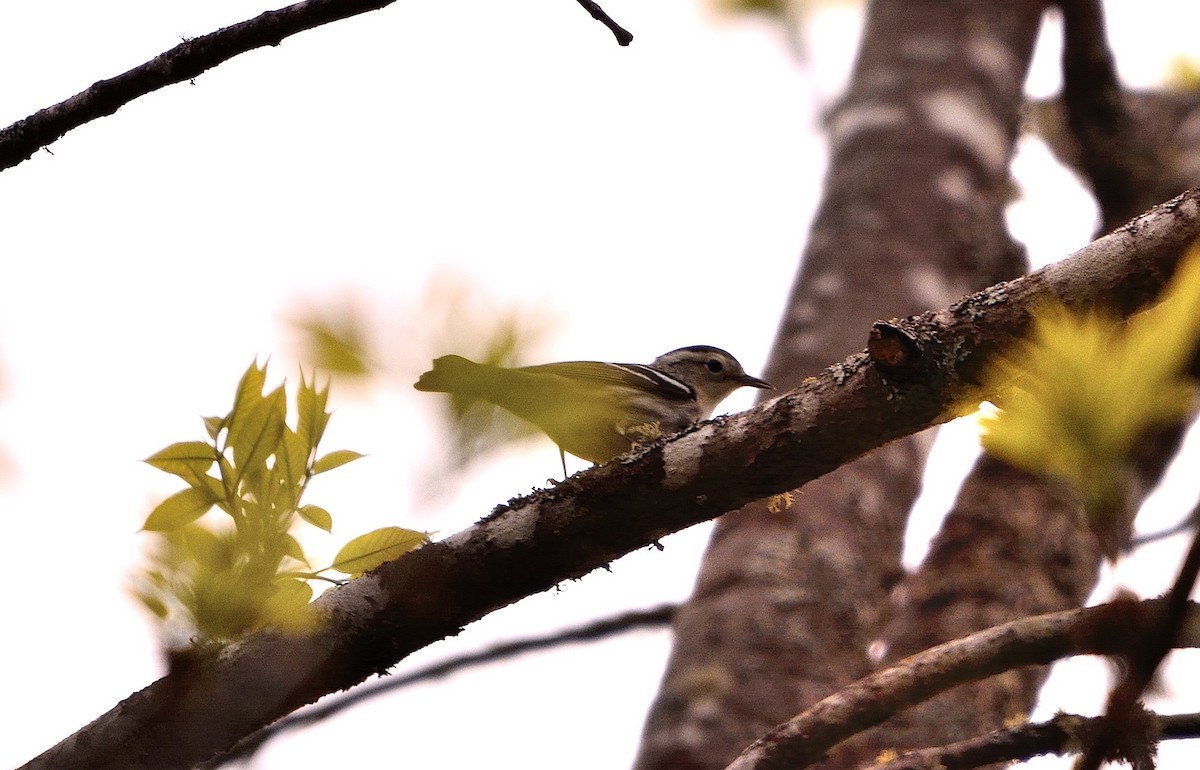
562	456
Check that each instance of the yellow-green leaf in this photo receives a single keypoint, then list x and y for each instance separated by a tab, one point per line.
190	460
213	425
179	509
312	415
287	606
208	549
366	552
317	516
291	592
291	547
254	434
293	454
249	390
335	459
225	605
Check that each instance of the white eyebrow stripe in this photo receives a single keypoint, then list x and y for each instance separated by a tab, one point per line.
655	377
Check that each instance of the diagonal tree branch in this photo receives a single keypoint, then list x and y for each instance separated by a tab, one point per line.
185	61
558	534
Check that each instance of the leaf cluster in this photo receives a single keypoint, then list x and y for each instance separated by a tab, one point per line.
222	580
1078	395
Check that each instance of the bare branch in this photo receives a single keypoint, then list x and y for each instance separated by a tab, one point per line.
1060	735
1109	629
600	629
1189	522
596	516
185	61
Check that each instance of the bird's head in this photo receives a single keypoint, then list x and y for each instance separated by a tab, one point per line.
711	372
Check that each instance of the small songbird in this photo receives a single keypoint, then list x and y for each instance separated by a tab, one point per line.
596	410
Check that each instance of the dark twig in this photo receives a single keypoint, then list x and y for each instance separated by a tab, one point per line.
1029	740
1153	537
1120	728
623	36
629	621
185	61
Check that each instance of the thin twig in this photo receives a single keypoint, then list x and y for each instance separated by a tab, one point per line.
185	61
628	621
1138	541
1026	741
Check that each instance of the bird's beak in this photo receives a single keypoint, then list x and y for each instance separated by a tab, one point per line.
754	382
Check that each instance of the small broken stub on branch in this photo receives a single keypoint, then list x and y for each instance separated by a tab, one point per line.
891	348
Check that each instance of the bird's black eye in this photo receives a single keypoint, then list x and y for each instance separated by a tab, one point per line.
714	366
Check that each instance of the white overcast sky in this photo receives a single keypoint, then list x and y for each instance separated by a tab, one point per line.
649	197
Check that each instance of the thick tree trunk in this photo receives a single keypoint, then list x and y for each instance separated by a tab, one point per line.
790	597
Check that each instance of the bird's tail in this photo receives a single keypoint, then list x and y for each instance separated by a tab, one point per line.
452	374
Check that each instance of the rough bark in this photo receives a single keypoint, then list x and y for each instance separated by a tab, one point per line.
1010	546
790	598
1167	121
1126	175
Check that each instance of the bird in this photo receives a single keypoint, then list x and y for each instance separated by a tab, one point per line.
596	410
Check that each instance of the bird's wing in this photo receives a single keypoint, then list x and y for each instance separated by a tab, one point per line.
635	376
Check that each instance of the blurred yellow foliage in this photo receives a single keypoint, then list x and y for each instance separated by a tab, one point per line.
1183	74
337	340
1084	388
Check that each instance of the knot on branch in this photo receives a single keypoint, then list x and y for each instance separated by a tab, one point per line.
893	349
